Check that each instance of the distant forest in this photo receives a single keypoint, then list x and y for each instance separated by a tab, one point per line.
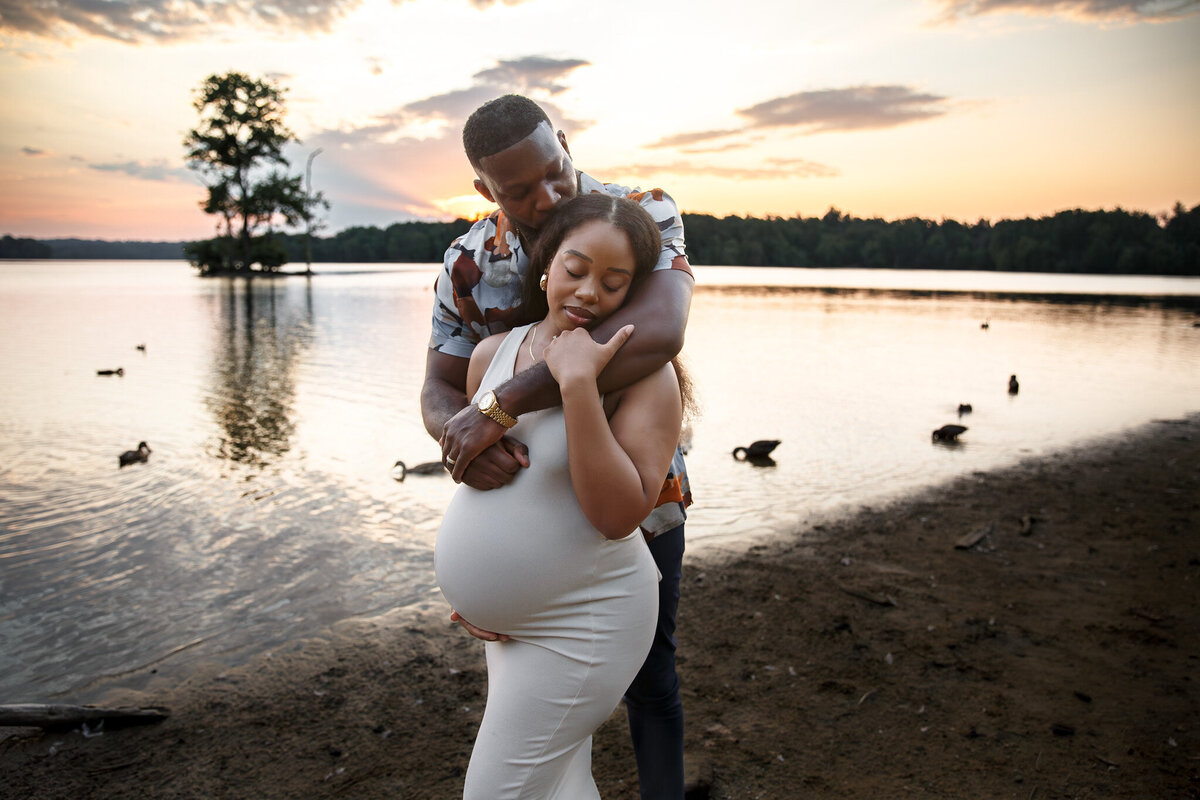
1097	242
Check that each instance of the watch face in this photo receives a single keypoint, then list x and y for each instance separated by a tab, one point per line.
488	400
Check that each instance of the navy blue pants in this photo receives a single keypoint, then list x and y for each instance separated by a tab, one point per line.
652	700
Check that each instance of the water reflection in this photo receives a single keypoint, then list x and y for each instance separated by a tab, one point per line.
275	410
259	339
1177	302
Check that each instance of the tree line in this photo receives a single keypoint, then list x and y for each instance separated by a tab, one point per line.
11	247
1078	241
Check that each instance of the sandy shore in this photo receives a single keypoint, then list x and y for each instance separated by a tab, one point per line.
1058	656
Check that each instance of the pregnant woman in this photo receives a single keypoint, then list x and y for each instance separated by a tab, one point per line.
555	561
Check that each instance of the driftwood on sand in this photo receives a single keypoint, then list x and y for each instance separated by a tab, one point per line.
65	717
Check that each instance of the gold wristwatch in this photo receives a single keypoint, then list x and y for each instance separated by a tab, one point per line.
490	407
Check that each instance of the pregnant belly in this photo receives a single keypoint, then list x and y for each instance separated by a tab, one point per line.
506	571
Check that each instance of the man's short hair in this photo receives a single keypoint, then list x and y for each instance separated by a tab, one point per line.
499	124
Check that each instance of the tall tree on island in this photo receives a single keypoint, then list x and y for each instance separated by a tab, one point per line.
240	136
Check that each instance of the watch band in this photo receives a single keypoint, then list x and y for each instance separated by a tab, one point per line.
494	412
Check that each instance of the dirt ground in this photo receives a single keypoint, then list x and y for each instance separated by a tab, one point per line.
1057	657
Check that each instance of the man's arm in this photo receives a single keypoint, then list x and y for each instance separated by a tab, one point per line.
444	392
442	396
659	312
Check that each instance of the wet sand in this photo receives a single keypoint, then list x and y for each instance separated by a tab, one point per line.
1056	656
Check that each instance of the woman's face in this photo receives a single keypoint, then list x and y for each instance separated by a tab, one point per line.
589	276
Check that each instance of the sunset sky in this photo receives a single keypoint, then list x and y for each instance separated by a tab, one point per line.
964	109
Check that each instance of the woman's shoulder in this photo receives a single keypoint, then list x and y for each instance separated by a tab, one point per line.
662	383
487	348
482	356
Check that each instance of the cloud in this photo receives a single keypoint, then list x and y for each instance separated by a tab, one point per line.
374	181
134	21
719	148
453	107
152	171
855	108
1103	10
534	76
531	73
34	152
684	139
803	168
408	162
849	109
783	168
823	110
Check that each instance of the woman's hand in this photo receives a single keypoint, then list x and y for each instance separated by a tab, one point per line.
478	633
573	356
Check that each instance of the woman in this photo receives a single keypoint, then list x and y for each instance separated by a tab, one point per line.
555	561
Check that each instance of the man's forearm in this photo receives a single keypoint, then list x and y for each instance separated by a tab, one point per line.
535	389
531	390
653	344
659	315
439	402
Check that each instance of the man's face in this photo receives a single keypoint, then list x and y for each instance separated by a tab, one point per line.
529	179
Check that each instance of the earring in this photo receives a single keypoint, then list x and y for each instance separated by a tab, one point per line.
542	282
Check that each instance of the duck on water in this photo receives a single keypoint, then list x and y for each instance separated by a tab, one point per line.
400	471
759	449
141	454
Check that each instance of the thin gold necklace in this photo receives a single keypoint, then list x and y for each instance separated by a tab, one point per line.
532	336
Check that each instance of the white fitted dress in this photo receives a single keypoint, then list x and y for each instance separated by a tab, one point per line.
525	561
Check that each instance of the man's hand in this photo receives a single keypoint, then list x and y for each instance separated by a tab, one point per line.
478	633
464	436
497	465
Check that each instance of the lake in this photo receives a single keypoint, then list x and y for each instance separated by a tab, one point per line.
275	411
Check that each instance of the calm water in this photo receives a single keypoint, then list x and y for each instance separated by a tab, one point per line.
267	511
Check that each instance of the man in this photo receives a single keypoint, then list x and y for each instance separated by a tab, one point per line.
526	169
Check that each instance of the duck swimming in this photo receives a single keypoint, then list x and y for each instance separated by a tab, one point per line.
1013	386
948	433
400	471
759	449
134	456
964	408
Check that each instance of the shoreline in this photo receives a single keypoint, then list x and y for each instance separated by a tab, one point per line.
864	656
